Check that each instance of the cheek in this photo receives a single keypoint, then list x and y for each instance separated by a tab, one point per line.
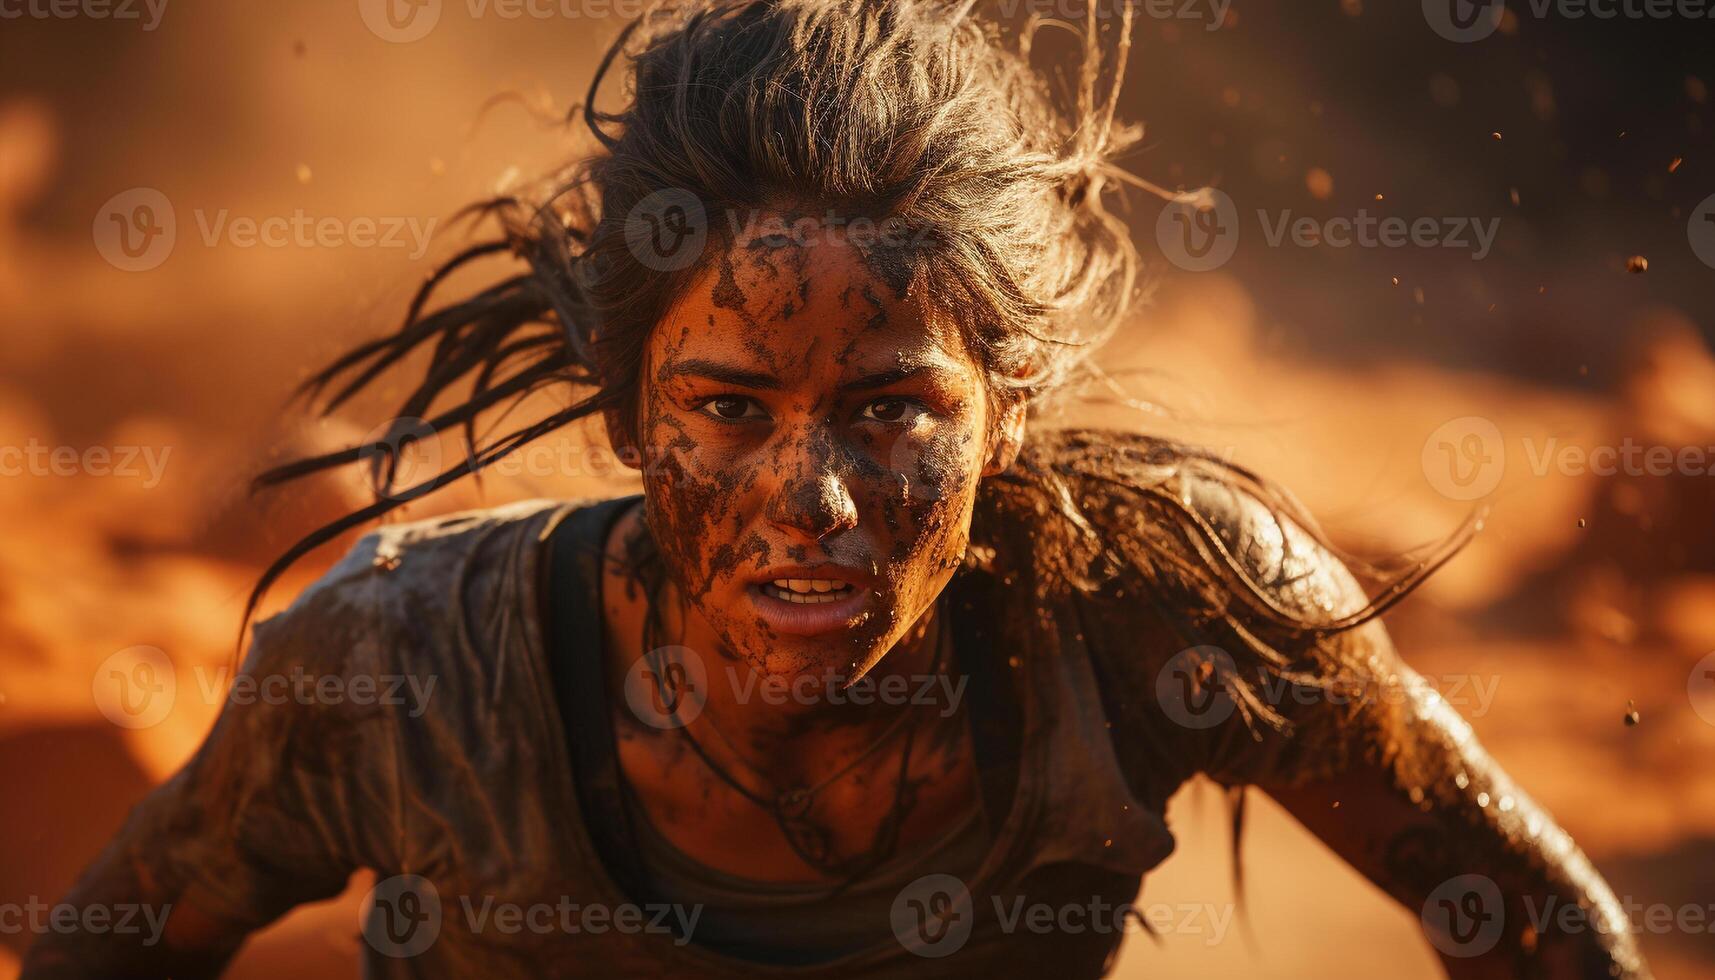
690	506
926	502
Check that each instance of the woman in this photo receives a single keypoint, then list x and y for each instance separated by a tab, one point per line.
865	671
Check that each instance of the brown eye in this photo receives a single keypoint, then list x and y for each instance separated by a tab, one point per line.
731	408
892	410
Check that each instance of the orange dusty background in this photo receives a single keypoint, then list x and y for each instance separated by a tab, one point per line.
1329	370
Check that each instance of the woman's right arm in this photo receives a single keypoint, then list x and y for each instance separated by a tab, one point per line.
264	817
153	928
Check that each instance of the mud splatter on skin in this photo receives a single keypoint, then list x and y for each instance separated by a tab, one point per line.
853	434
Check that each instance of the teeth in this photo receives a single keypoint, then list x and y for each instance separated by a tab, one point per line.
809	590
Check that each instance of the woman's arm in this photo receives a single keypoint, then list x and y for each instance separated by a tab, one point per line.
179	933
261	819
1209	641
1421	809
1423	812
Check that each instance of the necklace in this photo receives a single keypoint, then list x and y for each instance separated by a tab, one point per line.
790	808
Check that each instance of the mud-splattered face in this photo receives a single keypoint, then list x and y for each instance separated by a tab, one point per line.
813	437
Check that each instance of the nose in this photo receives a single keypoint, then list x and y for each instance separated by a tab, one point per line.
812	500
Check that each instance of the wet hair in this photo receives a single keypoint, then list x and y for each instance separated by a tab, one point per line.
916	116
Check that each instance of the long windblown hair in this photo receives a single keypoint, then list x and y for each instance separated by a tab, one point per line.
917	115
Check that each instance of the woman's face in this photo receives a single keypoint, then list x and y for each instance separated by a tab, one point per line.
812	441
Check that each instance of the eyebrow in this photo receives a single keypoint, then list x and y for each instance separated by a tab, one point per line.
881	379
741	377
730	374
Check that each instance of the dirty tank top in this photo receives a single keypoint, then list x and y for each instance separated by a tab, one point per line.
467	803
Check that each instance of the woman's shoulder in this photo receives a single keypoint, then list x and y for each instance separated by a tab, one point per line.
415	595
1105	504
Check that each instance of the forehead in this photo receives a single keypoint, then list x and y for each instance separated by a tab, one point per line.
807	305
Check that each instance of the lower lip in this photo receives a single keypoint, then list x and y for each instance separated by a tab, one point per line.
811	619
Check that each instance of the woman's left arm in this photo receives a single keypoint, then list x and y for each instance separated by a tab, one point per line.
1419	808
1330	722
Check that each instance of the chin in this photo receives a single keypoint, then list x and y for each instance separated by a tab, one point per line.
846	655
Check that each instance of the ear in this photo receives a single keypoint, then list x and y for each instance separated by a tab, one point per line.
621	439
1006	437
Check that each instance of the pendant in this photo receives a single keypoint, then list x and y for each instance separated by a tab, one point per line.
808	840
793	803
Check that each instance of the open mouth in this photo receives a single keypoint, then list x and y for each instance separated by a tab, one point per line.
808	591
812	601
